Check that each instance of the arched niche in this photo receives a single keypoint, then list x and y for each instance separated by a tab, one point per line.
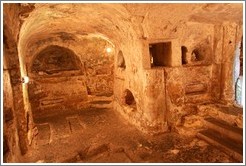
121	60
55	59
197	55
129	99
202	53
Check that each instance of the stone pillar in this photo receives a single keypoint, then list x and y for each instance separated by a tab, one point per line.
154	99
11	151
227	62
216	65
12	65
19	109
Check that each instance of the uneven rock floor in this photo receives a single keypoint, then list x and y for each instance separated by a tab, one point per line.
101	136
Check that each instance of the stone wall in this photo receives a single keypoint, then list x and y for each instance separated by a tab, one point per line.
51	95
168	89
186	86
193	76
173	91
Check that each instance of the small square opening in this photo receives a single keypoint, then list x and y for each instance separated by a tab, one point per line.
160	54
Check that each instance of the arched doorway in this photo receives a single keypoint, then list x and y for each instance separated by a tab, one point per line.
66	77
55	80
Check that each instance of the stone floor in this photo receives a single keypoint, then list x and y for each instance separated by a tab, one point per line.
101	136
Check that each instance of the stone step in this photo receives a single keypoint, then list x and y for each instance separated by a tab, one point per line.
101	105
101	102
100	99
226	144
105	95
225	129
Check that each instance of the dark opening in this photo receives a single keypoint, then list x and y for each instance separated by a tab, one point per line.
5	145
129	98
160	54
196	55
121	60
241	57
184	52
8	114
27	121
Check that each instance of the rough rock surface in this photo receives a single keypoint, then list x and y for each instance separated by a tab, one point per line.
163	67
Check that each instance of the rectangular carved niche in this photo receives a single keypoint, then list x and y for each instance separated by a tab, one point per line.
160	54
195	88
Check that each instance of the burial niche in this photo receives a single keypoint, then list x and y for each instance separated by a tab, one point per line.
160	54
184	55
129	98
54	59
121	60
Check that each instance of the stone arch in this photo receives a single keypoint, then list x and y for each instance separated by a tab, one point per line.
117	28
54	58
202	53
95	26
129	98
197	55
